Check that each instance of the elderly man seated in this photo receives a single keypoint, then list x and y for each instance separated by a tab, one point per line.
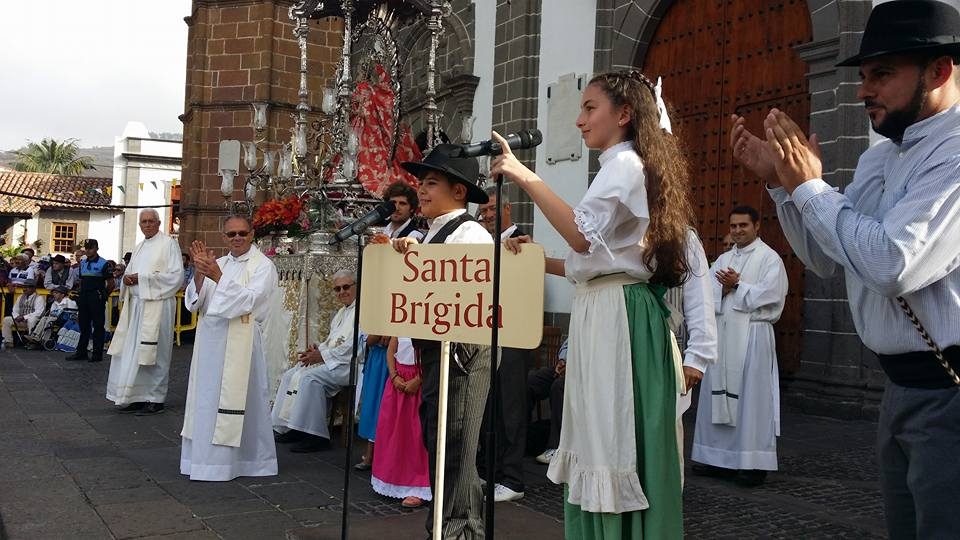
58	275
300	410
26	311
22	270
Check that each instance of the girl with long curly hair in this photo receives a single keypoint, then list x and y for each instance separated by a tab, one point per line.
631	238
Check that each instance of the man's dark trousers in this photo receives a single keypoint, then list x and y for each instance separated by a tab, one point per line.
91	308
544	383
918	439
513	415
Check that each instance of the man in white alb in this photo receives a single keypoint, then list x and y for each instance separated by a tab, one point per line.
142	344
226	424
738	418
300	409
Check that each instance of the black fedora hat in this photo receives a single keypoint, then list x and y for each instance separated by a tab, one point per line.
457	169
909	26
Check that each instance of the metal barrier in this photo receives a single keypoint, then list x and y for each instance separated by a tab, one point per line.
113	308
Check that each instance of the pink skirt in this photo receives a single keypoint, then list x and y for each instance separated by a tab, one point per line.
400	463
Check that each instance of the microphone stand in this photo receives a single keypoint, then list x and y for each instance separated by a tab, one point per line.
493	398
352	389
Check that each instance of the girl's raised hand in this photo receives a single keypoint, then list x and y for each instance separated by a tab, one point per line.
509	166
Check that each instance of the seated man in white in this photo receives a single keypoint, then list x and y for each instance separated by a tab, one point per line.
27	310
300	410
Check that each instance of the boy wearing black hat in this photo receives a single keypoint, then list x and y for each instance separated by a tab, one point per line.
447	185
895	231
96	282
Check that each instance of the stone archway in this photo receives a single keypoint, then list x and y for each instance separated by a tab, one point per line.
455	81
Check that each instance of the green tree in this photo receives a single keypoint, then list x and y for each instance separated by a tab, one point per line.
50	156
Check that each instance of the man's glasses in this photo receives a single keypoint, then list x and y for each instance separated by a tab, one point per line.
241	234
338	288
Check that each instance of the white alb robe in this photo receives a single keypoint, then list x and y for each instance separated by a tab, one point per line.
743	435
218	303
157	263
301	401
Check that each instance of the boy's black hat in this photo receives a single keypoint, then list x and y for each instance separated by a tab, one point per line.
463	170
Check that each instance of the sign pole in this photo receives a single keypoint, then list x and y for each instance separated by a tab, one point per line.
493	397
441	440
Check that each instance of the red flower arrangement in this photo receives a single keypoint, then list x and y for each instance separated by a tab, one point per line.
281	214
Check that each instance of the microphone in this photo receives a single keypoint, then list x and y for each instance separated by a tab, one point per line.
379	213
521	140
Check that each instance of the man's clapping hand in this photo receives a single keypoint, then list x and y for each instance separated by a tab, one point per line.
728	279
204	262
751	151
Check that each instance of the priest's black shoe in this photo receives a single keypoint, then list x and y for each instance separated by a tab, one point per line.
76	356
95	359
291	436
131	408
750	478
311	443
150	409
702	469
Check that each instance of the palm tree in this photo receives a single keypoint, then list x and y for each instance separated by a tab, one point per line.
50	156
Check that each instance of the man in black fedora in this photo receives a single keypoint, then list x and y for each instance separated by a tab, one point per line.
447	184
895	231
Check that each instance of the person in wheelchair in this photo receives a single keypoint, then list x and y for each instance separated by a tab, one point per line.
61	309
27	310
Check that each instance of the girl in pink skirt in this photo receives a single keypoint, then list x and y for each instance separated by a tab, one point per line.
400	466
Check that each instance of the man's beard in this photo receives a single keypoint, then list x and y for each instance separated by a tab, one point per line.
897	121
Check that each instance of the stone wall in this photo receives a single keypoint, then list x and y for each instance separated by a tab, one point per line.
46	219
516	68
838	376
238	52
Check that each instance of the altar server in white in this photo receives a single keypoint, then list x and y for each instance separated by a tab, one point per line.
143	341
738	418
226	423
300	409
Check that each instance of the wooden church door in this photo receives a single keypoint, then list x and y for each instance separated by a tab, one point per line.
719	57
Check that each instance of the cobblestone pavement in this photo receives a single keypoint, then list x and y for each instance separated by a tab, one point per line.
70	467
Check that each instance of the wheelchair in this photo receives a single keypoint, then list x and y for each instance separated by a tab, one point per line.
46	337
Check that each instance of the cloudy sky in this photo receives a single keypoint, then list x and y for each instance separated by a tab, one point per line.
83	68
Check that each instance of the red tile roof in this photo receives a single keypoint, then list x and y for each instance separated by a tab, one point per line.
54	191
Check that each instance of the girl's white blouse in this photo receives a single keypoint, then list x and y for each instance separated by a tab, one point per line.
613	216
